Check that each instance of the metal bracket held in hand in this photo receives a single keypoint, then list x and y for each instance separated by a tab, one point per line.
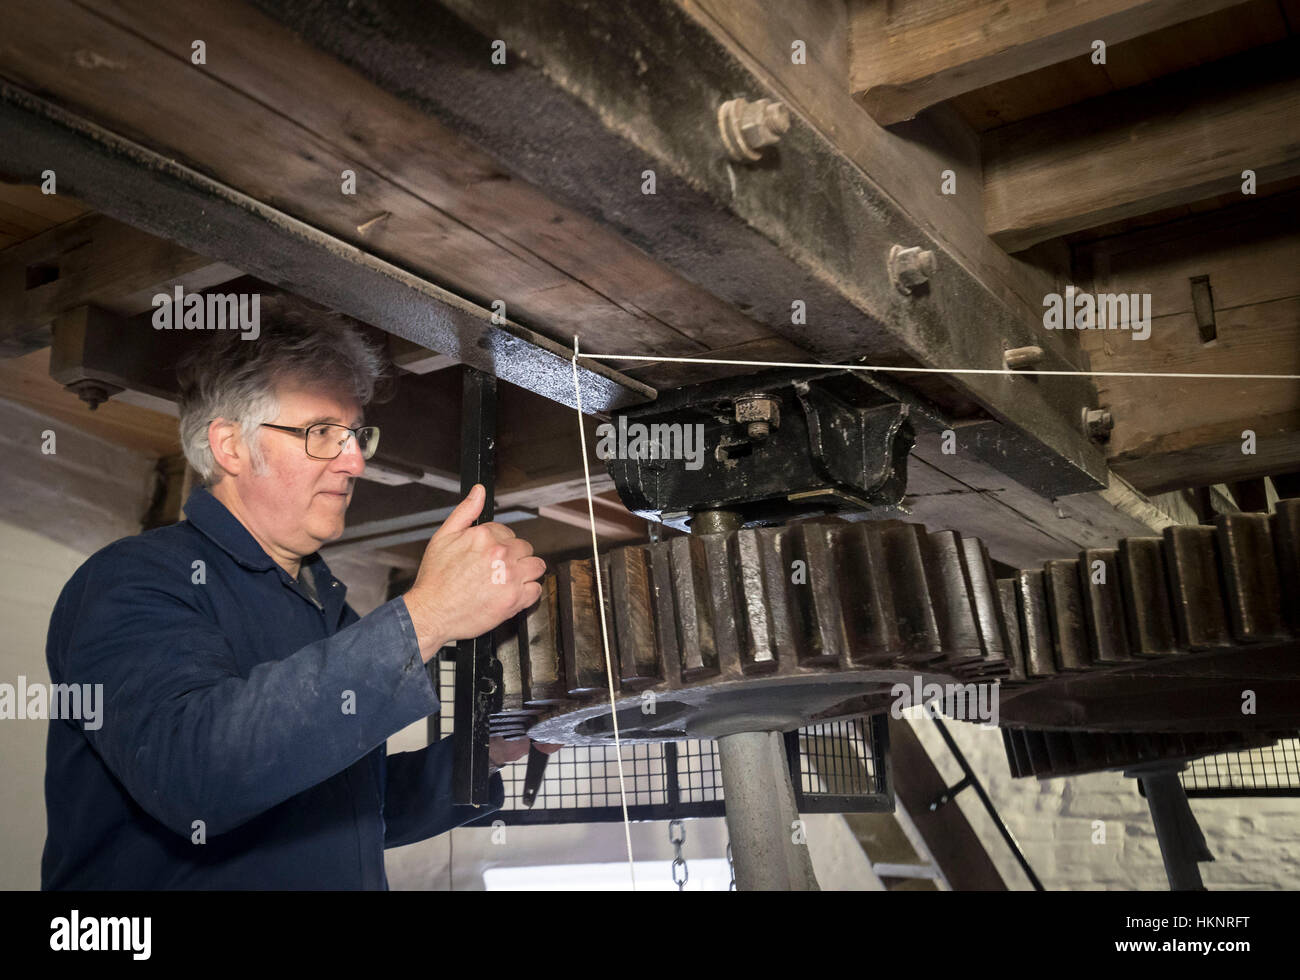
478	672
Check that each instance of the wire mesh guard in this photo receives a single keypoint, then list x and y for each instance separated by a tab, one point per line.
837	767
1270	771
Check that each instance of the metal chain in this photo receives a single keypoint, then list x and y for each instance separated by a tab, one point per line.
677	837
732	866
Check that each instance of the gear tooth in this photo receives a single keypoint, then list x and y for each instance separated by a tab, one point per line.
1011	618
1089	753
1250	577
719	593
1199	612
914	605
1040	759
816	600
760	613
951	588
694	610
508	654
630	607
541	664
1147	607
988	608
1031	594
668	651
793	619
1060	751
1048	753
1103	606
1286	541
584	659
1008	746
1065	613
865	594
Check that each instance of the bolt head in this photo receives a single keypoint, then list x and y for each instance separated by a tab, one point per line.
1019	358
1098	423
747	127
910	267
759	408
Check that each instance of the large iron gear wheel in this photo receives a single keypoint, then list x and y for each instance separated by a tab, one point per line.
775	628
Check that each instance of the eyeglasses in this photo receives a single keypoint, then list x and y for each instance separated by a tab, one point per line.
325	440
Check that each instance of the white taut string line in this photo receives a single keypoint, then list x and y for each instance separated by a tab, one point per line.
600	599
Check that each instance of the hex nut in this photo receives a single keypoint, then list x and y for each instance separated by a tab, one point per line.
1098	423
760	414
910	267
759	408
747	127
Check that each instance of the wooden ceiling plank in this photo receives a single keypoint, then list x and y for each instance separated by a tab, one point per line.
1172	141
1142	59
42	210
292	122
1173	433
909	55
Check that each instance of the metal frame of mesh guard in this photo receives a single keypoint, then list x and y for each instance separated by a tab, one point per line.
1270	771
836	767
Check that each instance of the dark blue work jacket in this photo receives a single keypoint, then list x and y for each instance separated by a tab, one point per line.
243	723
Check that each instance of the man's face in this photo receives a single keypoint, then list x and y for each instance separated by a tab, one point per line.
299	503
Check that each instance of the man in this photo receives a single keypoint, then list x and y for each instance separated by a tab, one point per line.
245	705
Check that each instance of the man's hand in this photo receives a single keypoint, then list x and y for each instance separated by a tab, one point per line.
471	579
505	750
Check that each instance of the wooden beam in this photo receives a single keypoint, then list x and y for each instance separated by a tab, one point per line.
90	260
908	55
25	212
759	35
1169	433
1144	58
612	519
752	236
1173	141
416	359
26	381
281	124
953	843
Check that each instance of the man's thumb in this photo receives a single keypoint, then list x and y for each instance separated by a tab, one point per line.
466	511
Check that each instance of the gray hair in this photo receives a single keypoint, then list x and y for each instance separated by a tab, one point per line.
228	377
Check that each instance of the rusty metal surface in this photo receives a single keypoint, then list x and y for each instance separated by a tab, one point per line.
771	627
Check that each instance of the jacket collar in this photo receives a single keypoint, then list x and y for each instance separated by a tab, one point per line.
218	524
212	517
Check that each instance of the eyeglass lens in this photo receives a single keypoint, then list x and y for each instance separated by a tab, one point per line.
326	441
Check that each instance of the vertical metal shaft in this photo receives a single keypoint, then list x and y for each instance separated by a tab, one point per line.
478	673
761	814
1182	844
715	521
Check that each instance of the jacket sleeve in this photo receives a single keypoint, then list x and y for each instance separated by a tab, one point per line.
188	736
417	795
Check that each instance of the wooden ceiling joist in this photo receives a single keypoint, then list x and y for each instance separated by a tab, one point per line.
907	55
1234	270
1173	141
524	185
90	260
